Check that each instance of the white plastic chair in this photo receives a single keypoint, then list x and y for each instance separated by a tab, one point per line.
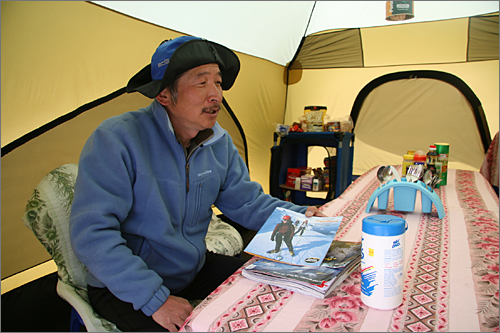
47	216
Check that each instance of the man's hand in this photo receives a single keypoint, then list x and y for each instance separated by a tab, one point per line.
173	313
313	211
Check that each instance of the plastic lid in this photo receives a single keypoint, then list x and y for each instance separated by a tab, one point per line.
420	155
408	157
315	107
384	225
419	152
419	158
432	147
443	148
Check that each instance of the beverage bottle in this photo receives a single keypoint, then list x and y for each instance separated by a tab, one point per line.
431	158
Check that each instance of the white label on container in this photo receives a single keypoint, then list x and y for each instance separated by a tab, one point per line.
382	264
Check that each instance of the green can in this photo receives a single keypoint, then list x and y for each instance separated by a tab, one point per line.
443	151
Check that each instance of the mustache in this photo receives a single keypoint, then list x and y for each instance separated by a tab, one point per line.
213	108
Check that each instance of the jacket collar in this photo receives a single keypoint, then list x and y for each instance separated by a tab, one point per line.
162	116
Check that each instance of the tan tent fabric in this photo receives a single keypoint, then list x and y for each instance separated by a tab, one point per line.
483	38
404	45
330	50
56	147
228	123
465	47
415	43
60	55
75	66
360	47
338	88
412	114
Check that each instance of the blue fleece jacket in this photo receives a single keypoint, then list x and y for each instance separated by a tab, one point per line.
141	210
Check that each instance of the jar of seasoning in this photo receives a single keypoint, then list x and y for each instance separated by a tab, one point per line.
420	158
407	161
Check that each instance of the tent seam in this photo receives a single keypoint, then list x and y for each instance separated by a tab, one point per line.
467	49
58	121
361	46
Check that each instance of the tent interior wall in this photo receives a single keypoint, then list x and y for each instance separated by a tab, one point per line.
339	98
101	59
334	66
85	51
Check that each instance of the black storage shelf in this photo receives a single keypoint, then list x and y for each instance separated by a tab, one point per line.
292	151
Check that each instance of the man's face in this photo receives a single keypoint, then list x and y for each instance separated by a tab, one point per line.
198	101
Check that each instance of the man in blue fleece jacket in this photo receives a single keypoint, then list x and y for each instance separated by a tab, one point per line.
146	184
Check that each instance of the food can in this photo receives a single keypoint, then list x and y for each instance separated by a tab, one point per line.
317	128
315	185
297	183
333	126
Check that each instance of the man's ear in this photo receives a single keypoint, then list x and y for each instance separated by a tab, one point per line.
164	97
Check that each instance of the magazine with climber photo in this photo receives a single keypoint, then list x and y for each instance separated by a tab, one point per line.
294	238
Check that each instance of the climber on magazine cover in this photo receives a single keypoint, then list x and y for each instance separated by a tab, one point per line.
283	231
302	228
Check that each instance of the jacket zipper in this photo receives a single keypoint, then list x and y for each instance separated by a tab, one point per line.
187	176
188	157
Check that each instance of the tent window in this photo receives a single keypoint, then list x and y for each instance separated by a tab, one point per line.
411	114
337	49
476	107
483	38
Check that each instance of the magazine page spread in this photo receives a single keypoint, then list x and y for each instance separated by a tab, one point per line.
294	238
309	274
309	280
341	253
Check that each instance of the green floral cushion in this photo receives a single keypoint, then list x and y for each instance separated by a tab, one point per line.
47	216
222	238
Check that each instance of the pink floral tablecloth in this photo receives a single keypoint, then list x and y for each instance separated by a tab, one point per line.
451	273
489	168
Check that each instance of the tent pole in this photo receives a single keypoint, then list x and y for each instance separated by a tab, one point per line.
289	66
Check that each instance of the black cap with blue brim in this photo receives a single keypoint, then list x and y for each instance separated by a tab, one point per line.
175	56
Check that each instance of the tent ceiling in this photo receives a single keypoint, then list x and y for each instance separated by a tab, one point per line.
272	30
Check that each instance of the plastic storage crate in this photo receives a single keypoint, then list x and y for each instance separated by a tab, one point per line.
292	152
